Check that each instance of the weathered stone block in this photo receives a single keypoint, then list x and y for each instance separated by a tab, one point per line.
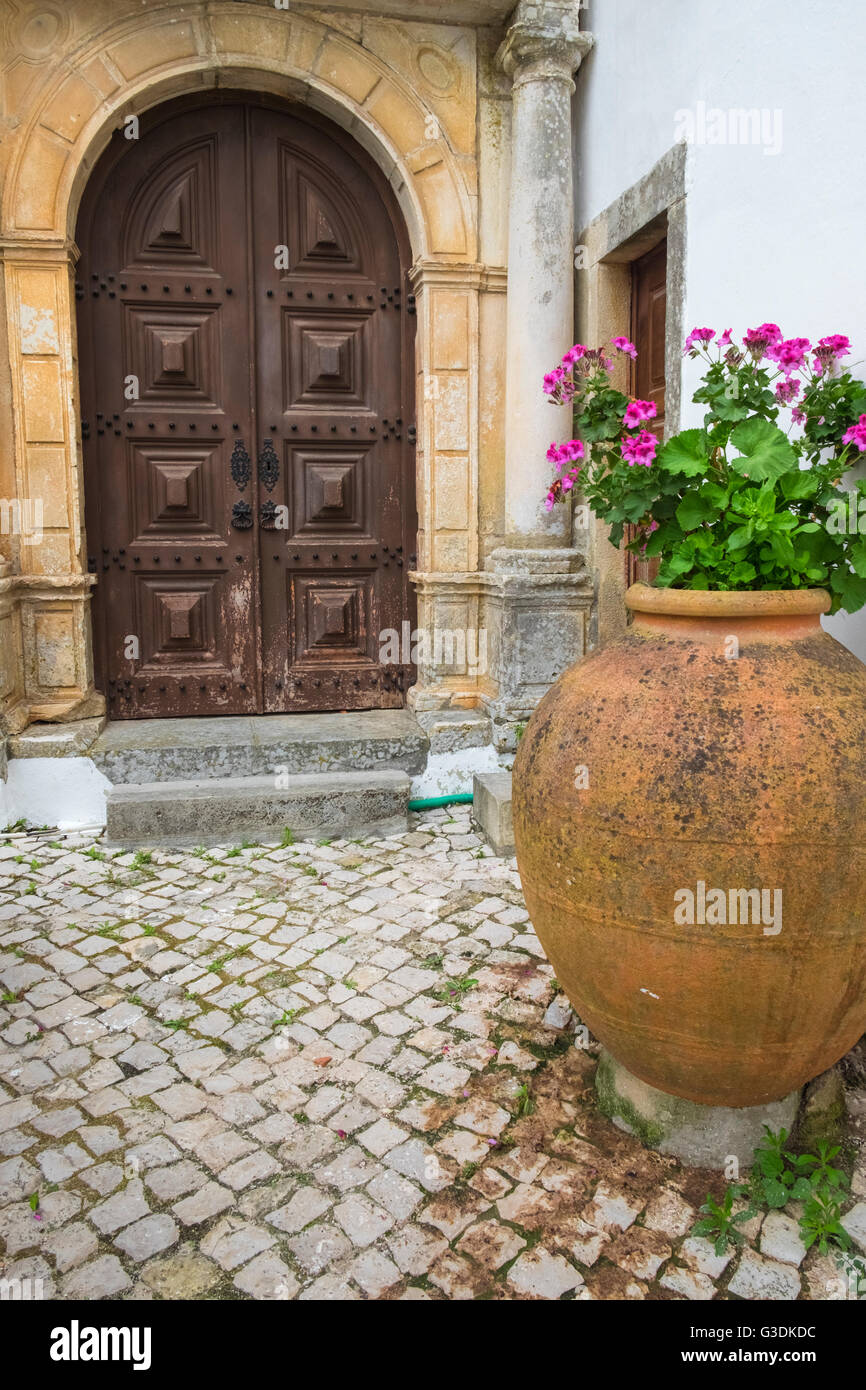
822	1117
492	810
452	730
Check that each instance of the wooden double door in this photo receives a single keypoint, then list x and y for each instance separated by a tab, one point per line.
246	341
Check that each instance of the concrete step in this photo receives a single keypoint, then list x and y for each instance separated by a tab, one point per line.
219	810
181	750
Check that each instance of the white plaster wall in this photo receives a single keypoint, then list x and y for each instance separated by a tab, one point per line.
452	774
770	237
6	816
68	793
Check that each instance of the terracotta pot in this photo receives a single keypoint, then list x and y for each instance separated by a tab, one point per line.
705	767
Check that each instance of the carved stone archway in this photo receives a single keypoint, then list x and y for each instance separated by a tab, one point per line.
80	70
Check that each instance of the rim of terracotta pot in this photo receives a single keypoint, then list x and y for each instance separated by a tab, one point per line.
725	603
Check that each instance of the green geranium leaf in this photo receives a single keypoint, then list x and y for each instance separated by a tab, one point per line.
803	483
728	408
765	449
679	564
850	588
781	546
694	509
740	536
662	539
687	452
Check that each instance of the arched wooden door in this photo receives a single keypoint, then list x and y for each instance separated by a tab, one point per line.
246	336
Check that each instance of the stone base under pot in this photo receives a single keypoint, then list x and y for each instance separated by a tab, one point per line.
705	1136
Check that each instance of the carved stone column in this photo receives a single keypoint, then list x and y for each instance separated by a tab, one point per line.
46	665
538	593
541	51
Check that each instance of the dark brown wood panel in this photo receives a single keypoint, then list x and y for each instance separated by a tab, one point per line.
246	338
648	301
332	333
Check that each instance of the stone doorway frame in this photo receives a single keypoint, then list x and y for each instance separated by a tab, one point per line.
126	68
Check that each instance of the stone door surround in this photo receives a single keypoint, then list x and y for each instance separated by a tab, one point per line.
433	105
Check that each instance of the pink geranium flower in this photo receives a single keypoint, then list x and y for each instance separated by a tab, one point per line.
787	390
573	355
639	449
572	451
623	345
636	411
697	336
837	343
790	354
724	339
552	380
828	351
757	340
856	434
560	454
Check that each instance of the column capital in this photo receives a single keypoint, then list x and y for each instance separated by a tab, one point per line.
544	42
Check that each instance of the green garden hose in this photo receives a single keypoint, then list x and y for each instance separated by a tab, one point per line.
430	803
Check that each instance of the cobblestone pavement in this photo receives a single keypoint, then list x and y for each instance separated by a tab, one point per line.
336	1071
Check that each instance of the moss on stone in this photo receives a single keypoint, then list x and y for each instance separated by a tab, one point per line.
615	1106
822	1117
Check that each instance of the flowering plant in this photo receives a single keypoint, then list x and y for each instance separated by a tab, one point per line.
744	502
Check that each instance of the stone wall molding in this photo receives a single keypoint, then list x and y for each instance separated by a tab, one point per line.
140	61
407	93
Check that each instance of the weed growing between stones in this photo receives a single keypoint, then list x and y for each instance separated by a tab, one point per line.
778	1178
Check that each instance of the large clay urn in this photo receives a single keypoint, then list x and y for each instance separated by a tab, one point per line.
717	748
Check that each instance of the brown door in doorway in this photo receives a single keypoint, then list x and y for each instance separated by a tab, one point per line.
648	301
246	341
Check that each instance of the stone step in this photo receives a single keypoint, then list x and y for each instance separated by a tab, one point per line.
181	750
452	730
221	810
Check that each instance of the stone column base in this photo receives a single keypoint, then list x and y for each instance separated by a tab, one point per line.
498	639
705	1136
537	609
46	666
449	646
